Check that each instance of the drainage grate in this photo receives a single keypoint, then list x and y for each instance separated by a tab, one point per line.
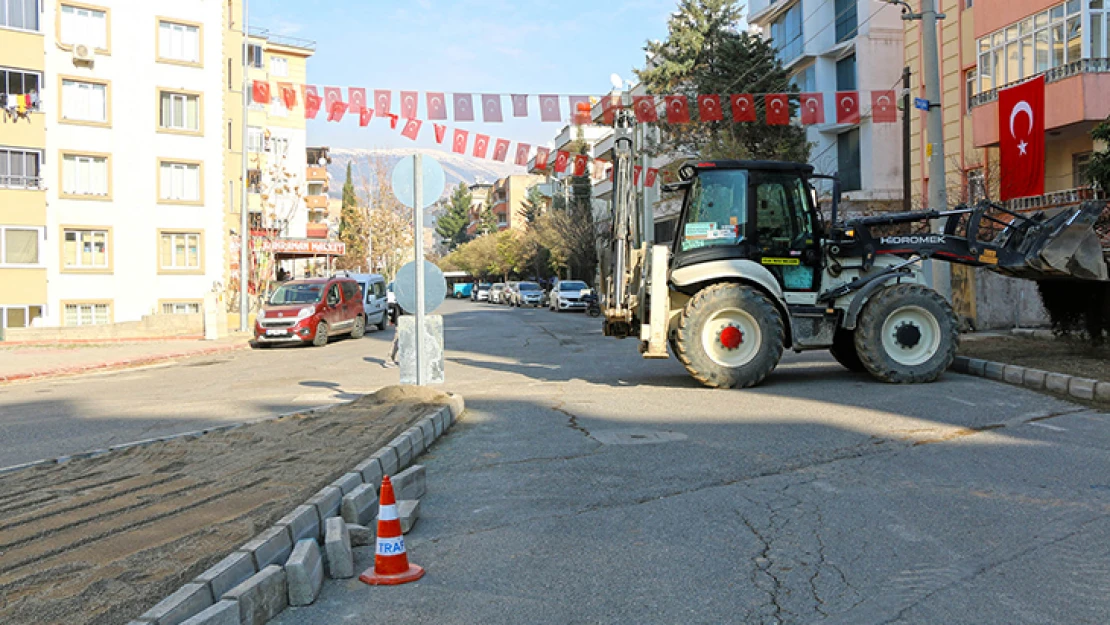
636	437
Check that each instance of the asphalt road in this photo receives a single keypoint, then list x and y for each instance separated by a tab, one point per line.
585	485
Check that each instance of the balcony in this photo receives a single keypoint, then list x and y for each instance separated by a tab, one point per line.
316	202
315	173
1057	199
316	231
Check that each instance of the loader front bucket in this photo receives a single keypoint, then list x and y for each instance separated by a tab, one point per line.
1064	245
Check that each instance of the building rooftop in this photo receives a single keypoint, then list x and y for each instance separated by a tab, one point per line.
282	40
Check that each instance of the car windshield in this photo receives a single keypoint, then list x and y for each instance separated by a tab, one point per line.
572	286
297	294
483	287
529	286
717	209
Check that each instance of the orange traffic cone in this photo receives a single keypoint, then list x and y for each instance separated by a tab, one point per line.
391	563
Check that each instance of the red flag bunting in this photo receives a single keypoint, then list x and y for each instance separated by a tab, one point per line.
636	171
813	108
743	107
464	107
649	180
777	109
562	158
549	108
393	118
481	145
522	150
644	106
491	108
356	99
609	106
260	92
288	95
364	116
542	156
581	161
847	107
440	130
678	109
458	144
1021	112
437	106
709	108
501	150
383	102
312	104
520	105
336	111
408	105
412	129
331	96
884	109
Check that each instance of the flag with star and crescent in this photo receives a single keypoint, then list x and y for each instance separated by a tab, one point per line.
1021	139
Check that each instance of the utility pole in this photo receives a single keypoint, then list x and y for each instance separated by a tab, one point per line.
907	178
244	217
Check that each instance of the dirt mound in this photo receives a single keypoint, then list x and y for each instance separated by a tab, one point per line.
101	540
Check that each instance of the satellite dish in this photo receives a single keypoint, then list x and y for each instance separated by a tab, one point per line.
615	80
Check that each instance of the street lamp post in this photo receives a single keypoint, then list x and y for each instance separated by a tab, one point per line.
244	217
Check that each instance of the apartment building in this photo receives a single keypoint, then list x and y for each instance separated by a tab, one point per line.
843	45
480	193
507	197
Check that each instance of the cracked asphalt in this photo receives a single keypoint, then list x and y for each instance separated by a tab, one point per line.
586	485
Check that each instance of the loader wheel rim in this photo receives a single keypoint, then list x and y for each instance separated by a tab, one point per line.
731	337
911	335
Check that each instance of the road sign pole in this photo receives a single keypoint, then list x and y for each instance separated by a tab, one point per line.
418	245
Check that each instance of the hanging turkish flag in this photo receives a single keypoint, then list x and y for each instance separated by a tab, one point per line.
312	104
542	154
644	107
393	117
549	108
336	111
678	109
501	150
649	180
743	107
562	158
520	105
481	145
636	171
581	162
1021	139
458	144
364	116
437	106
813	108
847	107
261	92
331	96
288	94
440	131
522	150
383	102
464	107
356	99
709	108
610	104
778	109
412	129
408	105
883	107
491	108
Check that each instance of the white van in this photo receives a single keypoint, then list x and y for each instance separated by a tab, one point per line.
373	297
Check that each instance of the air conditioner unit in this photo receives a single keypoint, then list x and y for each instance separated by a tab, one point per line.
83	53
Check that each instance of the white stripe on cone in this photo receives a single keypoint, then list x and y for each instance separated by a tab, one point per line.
391	546
388	513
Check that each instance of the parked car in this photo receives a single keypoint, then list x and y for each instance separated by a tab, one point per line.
495	292
311	311
567	295
375	300
480	292
527	294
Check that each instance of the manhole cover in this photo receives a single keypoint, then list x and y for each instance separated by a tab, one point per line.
636	437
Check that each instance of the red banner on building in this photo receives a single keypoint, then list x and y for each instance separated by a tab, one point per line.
1021	139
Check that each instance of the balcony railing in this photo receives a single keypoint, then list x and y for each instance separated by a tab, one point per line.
1058	199
20	182
282	40
1056	74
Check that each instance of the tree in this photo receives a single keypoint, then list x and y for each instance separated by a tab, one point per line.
568	231
354	229
487	221
705	53
533	204
452	225
391	228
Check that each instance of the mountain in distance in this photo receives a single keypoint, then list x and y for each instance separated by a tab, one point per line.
456	167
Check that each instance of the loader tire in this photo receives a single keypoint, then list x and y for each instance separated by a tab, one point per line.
844	350
907	334
729	336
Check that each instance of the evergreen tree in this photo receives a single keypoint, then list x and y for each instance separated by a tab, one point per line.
452	225
532	207
354	229
705	53
487	221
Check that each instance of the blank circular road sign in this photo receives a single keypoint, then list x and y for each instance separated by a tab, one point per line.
434	181
404	287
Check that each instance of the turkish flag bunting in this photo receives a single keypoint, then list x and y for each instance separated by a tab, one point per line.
649	180
610	104
520	105
847	107
412	129
562	158
709	108
437	106
331	96
481	145
393	118
311	105
501	150
549	108
644	106
491	108
336	111
743	107
581	162
678	109
356	99
522	150
261	92
1021	139
383	102
408	105
440	131
778	109
458	144
364	116
636	171
288	94
464	107
542	154
813	108
883	107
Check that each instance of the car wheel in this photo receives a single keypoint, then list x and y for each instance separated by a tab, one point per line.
321	338
359	330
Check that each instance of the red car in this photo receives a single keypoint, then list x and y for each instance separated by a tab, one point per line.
302	311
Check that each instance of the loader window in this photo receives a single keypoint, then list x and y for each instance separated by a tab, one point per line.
717	209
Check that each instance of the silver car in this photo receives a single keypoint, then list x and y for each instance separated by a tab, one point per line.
527	294
495	292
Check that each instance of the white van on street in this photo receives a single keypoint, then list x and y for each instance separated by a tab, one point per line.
373	297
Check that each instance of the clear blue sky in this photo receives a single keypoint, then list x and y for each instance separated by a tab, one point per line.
482	46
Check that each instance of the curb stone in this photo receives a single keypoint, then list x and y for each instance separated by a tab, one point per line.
222	613
43	374
1057	383
337	550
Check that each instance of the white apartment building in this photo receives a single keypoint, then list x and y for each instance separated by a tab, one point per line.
843	45
134	158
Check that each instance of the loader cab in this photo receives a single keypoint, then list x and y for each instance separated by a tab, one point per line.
758	211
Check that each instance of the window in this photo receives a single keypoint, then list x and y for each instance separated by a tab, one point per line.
786	34
178	42
254	56
969	4
716	210
277	107
1100	29
976	186
351	292
179	111
806	79
22	14
279	146
1049	39
19	246
970	81
846	22
1081	170
18	316
19	169
848	160
84	101
846	74
181	308
279	66
179	182
255	139
85	26
254	180
85	175
85	249
179	251
18	82
87	314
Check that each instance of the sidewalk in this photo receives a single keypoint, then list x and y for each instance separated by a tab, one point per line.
26	361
